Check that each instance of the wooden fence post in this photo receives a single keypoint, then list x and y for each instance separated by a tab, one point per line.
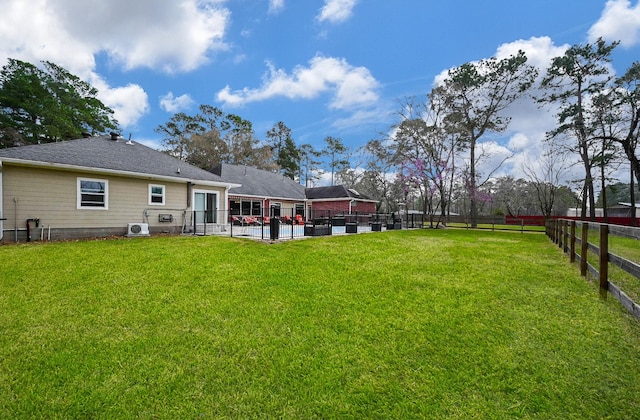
572	257
565	240
604	260
559	233
548	228
584	249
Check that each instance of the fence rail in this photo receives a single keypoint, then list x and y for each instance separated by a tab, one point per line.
563	233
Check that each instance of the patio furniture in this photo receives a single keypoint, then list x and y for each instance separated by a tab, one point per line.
351	228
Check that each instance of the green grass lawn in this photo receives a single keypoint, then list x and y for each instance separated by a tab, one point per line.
495	226
405	324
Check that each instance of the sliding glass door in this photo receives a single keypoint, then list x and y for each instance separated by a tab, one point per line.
206	207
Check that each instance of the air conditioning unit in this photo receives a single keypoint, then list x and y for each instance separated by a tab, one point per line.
138	229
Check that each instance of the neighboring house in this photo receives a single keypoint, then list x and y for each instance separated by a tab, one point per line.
623	210
262	193
98	186
339	199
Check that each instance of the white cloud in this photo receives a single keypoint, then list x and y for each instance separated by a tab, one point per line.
46	39
539	50
175	104
171	36
276	6
619	22
336	11
493	159
351	86
372	116
519	142
129	103
152	143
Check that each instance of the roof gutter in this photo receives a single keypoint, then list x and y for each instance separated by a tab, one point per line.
351	199
264	197
76	168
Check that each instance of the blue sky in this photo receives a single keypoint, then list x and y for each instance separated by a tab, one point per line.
323	67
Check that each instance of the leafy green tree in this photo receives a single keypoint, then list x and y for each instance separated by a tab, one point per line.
618	192
375	181
476	94
211	137
40	105
570	83
545	178
625	118
206	150
425	148
513	197
337	155
285	150
628	99
606	155
177	135
309	165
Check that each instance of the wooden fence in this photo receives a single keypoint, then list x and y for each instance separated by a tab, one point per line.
523	224
563	233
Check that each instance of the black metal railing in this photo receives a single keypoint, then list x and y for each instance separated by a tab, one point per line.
290	225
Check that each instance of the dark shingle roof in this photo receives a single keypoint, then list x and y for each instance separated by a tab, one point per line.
260	183
110	155
335	192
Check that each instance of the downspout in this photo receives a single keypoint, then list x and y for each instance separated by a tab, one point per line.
2	218
225	211
189	210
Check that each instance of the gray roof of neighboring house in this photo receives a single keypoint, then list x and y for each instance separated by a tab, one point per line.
335	192
109	155
260	183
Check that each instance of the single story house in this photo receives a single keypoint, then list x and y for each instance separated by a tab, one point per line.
103	186
338	199
262	193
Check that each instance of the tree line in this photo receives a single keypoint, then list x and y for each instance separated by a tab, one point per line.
211	136
47	104
429	161
435	150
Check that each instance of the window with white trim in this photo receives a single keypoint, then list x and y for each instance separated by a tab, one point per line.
156	195
93	194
